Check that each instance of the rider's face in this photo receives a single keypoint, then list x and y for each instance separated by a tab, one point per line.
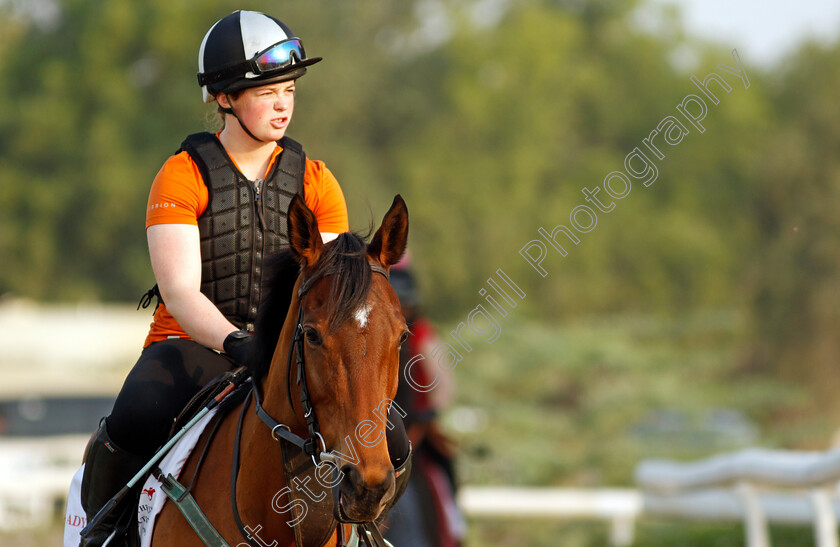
266	110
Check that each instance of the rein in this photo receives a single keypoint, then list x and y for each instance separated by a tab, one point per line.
280	431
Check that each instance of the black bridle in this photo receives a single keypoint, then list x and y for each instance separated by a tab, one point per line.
283	432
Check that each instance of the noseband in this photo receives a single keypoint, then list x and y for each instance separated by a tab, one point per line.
279	431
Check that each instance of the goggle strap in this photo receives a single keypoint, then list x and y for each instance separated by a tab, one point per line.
251	65
206	78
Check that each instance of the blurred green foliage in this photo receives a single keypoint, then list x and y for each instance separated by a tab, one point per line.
580	404
489	117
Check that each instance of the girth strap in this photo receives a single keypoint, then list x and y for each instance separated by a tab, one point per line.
199	522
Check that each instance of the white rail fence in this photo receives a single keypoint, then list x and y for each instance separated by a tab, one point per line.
812	476
620	508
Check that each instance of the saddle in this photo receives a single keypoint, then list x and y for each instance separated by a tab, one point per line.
208	392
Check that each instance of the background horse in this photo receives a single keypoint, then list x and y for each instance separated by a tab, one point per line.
352	329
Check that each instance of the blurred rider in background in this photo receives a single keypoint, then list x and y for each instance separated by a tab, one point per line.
426	515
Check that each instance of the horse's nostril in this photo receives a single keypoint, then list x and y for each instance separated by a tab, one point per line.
353	478
387	488
349	470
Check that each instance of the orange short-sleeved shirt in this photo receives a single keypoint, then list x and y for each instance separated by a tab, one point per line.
179	196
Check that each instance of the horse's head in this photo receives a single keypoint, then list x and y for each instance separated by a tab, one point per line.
353	329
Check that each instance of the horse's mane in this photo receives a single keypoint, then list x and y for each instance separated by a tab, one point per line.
344	258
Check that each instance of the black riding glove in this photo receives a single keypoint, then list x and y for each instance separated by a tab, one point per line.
239	345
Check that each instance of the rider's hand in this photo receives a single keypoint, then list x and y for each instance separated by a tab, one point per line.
239	345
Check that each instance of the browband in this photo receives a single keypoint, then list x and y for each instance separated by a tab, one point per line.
307	283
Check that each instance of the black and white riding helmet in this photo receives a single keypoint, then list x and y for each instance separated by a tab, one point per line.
248	49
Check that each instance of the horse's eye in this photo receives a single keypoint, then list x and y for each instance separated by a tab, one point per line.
403	338
313	337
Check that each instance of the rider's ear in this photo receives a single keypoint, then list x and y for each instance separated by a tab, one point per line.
389	241
304	237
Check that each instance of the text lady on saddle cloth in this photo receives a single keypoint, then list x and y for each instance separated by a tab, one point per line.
207	240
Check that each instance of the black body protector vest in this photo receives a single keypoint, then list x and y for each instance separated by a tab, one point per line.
245	221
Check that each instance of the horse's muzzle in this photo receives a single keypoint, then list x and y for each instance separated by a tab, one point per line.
359	501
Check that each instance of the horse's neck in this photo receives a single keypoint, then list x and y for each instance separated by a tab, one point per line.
261	477
275	388
261	473
277	385
260	481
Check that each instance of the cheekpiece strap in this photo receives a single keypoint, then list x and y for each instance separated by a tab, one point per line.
277	429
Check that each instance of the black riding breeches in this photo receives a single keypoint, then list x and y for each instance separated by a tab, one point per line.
167	375
163	381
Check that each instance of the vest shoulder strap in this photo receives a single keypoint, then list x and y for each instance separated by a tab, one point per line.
207	153
292	163
289	143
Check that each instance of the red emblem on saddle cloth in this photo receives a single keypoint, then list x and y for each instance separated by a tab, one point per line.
149	492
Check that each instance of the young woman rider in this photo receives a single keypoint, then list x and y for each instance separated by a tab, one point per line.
215	210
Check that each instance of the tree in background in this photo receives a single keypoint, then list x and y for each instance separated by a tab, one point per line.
92	96
510	121
489	116
99	94
794	196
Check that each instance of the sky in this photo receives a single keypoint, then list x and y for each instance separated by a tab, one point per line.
763	31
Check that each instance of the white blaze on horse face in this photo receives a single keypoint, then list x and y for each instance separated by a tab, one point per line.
362	315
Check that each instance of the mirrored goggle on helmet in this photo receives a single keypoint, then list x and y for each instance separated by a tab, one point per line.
272	59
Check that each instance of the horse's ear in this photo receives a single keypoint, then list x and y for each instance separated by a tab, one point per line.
388	244
304	237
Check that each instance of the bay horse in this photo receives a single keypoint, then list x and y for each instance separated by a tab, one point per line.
344	327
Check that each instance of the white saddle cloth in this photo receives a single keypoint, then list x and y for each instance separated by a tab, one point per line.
152	497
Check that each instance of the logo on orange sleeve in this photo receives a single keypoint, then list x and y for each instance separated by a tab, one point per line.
163	205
